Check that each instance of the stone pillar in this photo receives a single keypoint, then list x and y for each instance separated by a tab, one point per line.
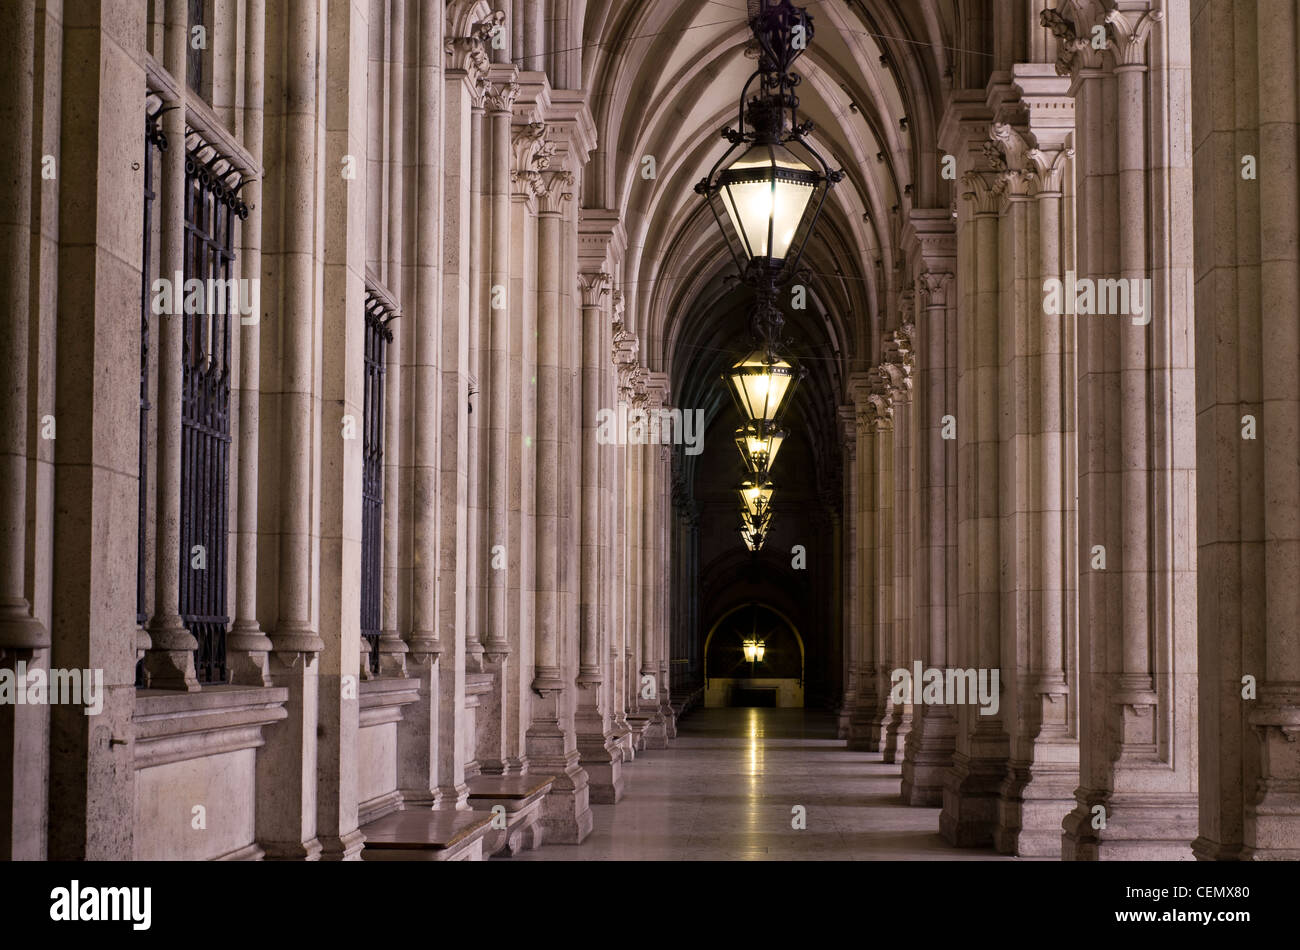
1247	531
979	759
342	370
247	646
418	737
849	584
1039	369
898	353
20	632
170	661
930	745
500	658
597	745
652	515
889	712
392	646
624	358
862	736
91	779
286	819
1137	648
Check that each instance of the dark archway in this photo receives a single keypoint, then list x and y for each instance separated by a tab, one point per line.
733	678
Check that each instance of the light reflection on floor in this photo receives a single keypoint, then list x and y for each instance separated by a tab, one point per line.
725	791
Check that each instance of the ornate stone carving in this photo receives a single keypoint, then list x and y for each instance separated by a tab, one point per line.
469	53
630	374
980	190
934	289
500	97
593	287
1068	42
1128	33
1008	154
532	156
554	188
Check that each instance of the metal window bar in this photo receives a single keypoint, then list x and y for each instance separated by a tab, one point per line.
379	317
212	203
153	139
193	56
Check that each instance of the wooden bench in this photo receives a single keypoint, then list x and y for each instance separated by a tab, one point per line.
426	835
521	798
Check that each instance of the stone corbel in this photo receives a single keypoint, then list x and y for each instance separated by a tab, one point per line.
532	156
1008	154
469	53
1068	42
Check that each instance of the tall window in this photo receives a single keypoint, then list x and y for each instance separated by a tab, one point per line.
379	316
212	204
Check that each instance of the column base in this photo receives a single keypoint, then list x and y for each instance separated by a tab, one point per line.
971	792
894	735
343	848
1034	798
863	735
927	757
1137	827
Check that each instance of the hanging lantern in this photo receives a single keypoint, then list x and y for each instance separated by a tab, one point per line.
758	443
762	384
756	497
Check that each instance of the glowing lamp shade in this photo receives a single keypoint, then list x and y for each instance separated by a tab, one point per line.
756	498
766	192
753	539
754	651
760	383
758	444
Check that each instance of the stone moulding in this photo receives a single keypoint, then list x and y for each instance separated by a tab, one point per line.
175	726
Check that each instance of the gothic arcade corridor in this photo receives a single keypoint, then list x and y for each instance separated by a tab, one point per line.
726	788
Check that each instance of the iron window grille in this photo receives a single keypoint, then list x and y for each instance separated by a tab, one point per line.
379	318
212	204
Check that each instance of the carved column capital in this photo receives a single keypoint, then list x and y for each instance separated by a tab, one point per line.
593	288
934	288
1128	33
553	189
532	156
500	96
980	188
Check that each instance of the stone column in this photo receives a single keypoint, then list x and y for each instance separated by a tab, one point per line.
898	353
287	820
888	713
96	370
342	374
979	759
419	775
652	515
862	736
597	745
1138	775
625	367
849	585
930	744
392	646
493	402
170	661
20	632
1247	529
247	646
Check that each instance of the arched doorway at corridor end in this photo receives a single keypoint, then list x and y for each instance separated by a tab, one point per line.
770	675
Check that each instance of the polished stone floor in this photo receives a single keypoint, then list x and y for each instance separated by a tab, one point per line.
727	788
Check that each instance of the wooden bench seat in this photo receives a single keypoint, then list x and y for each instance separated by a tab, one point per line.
426	835
521	797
